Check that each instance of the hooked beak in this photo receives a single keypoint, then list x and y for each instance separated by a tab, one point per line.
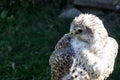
72	34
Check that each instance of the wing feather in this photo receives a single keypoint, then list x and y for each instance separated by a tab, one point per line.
61	58
111	53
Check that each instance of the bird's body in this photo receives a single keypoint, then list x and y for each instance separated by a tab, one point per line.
88	65
86	53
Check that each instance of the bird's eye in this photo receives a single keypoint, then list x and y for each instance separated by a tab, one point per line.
79	31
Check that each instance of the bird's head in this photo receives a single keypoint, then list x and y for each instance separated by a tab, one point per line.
88	28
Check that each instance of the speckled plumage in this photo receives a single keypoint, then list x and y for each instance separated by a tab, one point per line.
85	53
61	58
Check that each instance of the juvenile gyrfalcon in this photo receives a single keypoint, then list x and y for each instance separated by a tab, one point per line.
85	53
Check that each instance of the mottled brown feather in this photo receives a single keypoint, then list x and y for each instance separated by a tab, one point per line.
61	59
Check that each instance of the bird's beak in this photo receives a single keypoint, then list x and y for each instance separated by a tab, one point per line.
72	34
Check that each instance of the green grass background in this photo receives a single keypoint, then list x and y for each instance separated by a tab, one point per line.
28	34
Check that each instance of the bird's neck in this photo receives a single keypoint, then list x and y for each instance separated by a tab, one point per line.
95	45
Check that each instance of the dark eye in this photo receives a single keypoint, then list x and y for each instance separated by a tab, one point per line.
79	31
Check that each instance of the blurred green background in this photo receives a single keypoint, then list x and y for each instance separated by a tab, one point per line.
29	31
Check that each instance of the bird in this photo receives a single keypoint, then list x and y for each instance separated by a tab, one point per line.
86	52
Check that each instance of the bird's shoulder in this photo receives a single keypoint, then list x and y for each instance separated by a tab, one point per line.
113	42
112	46
63	51
63	42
